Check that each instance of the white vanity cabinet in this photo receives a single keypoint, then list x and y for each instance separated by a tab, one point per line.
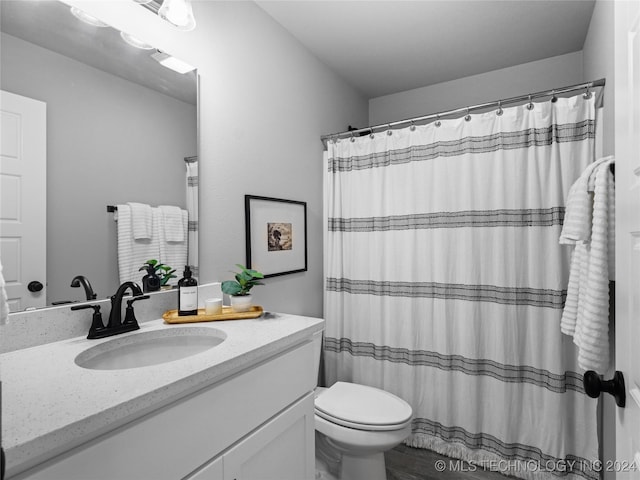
256	424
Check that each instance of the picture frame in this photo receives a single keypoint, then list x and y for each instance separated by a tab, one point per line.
276	235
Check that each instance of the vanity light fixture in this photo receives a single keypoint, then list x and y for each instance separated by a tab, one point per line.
178	13
86	18
172	63
135	42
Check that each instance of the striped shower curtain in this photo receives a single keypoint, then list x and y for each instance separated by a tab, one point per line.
445	283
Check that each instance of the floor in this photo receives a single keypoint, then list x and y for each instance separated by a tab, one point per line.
407	463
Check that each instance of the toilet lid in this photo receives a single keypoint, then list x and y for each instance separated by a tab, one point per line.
360	406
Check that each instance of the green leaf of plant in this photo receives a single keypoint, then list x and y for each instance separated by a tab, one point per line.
230	287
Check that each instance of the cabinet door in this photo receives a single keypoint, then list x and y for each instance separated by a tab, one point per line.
282	449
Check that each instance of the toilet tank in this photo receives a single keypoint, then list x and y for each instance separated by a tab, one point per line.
317	353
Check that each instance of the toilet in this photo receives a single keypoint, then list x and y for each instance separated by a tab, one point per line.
355	425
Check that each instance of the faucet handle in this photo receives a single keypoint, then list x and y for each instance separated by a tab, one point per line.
136	298
130	317
96	323
96	308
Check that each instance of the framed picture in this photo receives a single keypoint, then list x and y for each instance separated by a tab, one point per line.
276	235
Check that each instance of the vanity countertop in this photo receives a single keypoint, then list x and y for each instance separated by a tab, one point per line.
50	404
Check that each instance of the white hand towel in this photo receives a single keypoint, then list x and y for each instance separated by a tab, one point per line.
4	306
578	217
141	220
132	254
174	230
173	254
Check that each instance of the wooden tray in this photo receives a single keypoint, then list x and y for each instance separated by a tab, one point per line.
171	316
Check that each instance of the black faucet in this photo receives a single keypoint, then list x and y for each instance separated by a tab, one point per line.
84	281
115	317
115	325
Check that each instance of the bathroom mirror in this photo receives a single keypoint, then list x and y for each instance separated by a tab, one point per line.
119	127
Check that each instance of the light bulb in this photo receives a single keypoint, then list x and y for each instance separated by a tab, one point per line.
135	42
178	13
86	18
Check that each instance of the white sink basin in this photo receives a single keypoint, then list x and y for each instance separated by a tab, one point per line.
150	348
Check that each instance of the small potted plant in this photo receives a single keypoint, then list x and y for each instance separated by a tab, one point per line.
158	274
239	289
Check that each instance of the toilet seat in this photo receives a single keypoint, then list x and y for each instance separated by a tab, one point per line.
362	407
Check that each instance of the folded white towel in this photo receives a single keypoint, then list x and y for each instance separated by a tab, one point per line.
174	229
141	220
173	254
578	217
586	311
4	306
132	254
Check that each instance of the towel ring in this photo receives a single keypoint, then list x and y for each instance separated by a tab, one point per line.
500	111
530	104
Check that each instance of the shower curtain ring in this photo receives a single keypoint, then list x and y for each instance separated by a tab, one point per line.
438	122
371	135
413	126
467	117
352	139
500	111
389	132
554	99
587	94
530	105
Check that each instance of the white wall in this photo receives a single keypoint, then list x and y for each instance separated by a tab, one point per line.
106	138
508	82
264	103
598	61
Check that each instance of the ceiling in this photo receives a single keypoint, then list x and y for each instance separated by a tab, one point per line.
384	47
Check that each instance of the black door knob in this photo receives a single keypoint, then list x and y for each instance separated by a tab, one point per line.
34	286
593	385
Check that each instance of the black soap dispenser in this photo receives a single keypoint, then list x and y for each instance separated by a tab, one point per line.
187	294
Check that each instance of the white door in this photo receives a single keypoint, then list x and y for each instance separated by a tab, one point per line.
23	213
627	149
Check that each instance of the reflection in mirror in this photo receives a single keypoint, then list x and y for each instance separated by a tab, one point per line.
118	129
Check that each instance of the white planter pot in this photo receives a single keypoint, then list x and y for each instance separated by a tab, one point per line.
241	303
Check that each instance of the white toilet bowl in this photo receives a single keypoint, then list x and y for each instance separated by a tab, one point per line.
357	424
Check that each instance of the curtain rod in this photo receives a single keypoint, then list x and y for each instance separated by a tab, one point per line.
467	110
